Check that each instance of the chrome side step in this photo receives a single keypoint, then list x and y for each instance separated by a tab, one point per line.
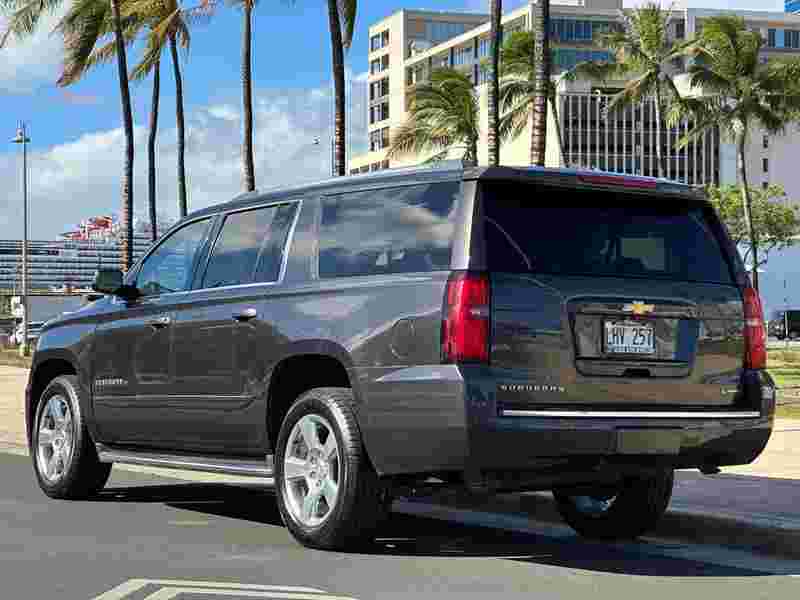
165	460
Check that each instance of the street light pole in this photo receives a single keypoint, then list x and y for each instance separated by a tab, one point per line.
22	138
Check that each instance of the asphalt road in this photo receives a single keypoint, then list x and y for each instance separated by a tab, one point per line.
154	538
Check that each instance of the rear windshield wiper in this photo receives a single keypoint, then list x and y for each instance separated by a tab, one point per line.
512	242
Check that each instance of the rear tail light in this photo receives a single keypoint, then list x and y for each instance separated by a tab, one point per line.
754	334
465	318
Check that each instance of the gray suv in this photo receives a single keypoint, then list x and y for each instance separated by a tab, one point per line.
496	329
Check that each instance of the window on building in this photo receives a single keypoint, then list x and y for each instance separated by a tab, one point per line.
375	66
379	139
384	87
369	233
766	142
384	164
764	185
375	42
375	166
771	37
765	165
384	62
384	38
463	55
440	31
792	39
680	30
484	47
379	112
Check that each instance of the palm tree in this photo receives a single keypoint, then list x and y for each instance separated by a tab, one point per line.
736	93
647	54
444	115
541	80
248	168
85	32
340	12
492	136
168	26
518	92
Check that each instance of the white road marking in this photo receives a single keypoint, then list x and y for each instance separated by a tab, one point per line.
216	588
170	593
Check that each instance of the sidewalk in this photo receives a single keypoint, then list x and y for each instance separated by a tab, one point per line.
780	459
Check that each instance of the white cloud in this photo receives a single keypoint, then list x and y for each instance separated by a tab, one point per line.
26	64
82	177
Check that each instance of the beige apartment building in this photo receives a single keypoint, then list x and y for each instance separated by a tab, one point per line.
408	44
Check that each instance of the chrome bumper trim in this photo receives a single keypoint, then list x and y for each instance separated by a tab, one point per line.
569	414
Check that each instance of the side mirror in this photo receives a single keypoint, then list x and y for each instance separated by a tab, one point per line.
107	281
111	281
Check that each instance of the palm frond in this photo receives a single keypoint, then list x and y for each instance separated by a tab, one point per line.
25	16
82	27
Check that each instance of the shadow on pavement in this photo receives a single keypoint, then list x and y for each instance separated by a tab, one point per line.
413	536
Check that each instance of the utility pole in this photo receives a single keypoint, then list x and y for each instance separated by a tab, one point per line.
22	138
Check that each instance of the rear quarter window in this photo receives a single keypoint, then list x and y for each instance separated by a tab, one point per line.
534	228
403	229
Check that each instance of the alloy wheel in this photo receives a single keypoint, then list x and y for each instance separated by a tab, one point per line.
311	470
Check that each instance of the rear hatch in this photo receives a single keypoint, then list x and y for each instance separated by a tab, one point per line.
610	298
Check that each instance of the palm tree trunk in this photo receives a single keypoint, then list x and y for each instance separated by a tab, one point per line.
741	140
127	120
541	23
176	65
338	88
249	182
151	151
662	166
552	97
494	84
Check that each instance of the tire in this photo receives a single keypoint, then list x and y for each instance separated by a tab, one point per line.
626	512
359	505
79	473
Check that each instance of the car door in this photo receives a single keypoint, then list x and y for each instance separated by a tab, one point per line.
219	371
133	371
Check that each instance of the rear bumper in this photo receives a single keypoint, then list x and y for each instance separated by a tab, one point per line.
518	438
447	418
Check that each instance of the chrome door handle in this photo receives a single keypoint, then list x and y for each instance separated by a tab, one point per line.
245	315
160	322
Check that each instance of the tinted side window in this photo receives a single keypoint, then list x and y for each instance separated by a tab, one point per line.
272	251
245	238
396	230
169	267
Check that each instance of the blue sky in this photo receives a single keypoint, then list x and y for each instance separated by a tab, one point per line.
76	150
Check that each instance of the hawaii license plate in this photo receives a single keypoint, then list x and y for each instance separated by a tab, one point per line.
629	338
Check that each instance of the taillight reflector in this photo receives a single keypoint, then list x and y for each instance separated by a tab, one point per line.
755	335
465	318
629	182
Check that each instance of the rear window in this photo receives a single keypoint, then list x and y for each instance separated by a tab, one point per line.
588	232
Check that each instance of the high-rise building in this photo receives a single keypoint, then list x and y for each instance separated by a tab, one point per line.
407	45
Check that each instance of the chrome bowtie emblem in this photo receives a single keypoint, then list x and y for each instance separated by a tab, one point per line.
639	308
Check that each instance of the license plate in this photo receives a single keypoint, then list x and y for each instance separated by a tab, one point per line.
629	338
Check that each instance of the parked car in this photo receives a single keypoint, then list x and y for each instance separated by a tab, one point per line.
778	325
499	329
34	329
